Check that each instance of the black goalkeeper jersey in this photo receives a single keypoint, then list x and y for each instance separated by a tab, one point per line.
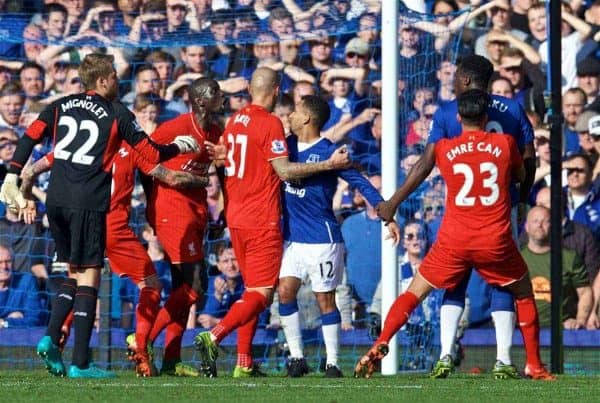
86	130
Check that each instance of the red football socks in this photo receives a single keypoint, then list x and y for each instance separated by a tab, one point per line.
527	318
249	306
398	315
179	300
145	314
174	335
245	334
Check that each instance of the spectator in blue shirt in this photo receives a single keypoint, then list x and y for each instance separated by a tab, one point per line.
19	302
223	290
582	195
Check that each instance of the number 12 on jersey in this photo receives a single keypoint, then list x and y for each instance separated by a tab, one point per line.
236	150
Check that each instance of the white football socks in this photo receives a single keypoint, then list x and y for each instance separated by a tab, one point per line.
504	322
293	334
332	343
449	318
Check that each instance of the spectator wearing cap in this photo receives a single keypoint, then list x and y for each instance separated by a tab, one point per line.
594	128
526	78
356	53
586	122
588	79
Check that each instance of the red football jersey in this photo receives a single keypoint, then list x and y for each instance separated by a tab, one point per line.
125	161
477	168
253	137
168	199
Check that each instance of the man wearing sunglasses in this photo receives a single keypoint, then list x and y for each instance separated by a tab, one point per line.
583	200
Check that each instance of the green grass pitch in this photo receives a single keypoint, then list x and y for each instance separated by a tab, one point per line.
21	385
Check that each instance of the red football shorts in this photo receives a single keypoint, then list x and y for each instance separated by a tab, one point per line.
181	237
126	255
446	267
259	254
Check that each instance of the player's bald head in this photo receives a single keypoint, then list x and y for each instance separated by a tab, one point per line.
264	80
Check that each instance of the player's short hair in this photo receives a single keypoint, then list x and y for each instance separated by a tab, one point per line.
472	106
317	108
95	66
203	88
477	68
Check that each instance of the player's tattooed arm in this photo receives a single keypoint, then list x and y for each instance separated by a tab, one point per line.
178	179
30	173
289	171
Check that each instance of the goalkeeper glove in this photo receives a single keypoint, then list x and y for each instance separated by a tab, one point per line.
186	144
10	193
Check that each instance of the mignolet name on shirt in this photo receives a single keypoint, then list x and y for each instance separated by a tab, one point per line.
86	104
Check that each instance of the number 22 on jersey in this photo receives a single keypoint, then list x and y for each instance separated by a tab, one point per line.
462	197
80	156
236	151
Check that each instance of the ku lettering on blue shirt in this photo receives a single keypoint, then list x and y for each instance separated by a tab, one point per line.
308	215
504	116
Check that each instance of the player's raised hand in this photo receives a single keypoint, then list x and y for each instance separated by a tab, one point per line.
340	159
393	232
386	210
216	152
186	144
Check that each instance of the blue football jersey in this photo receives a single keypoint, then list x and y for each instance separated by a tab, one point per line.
307	204
505	115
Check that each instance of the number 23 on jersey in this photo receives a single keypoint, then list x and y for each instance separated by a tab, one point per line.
488	175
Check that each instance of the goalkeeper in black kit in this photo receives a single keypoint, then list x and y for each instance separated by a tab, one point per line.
87	130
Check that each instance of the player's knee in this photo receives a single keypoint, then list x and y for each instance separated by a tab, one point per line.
326	301
521	289
287	292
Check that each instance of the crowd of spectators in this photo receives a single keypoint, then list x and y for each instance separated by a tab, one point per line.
331	48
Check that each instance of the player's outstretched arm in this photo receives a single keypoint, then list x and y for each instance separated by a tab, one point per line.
287	170
179	179
417	174
28	176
